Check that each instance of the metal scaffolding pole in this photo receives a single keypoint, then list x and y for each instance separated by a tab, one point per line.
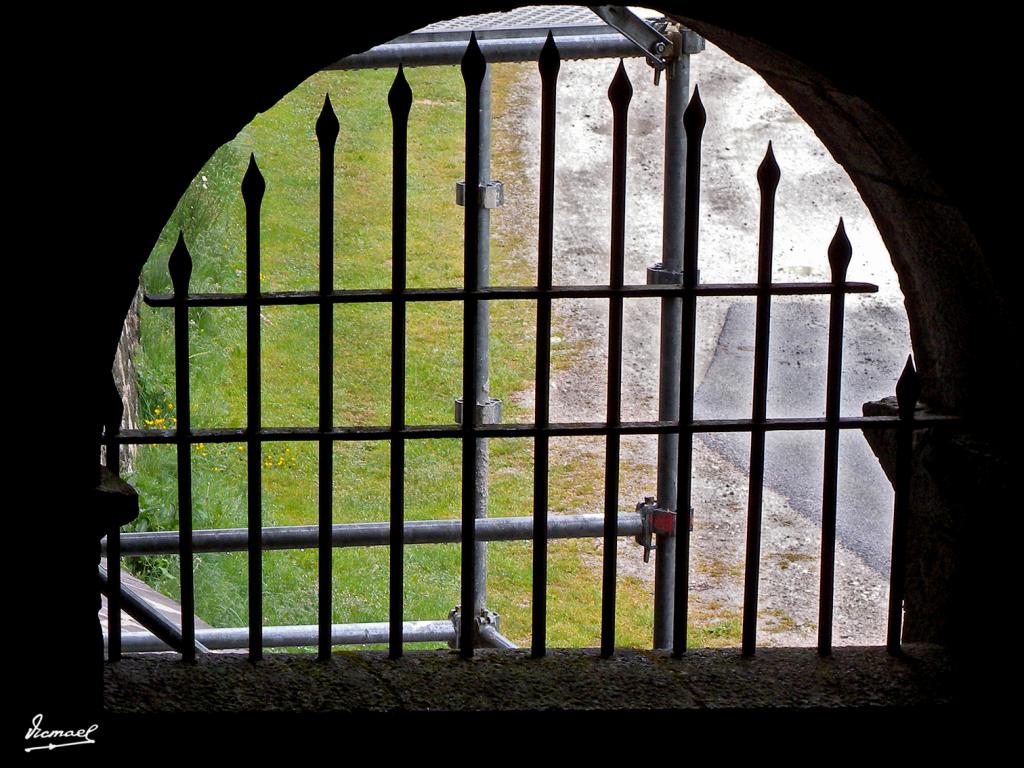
231	638
483	329
677	89
373	534
487	409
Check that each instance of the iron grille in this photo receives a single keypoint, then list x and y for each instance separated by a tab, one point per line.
397	532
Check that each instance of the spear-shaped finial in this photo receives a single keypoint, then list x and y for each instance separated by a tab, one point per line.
549	62
327	124
400	95
253	184
768	173
473	64
695	117
839	253
621	90
908	389
180	266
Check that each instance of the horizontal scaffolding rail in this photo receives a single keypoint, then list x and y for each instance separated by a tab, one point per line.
497	51
515	36
297	636
374	534
492	638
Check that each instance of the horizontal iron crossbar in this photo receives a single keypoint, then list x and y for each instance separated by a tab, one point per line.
370	295
434	432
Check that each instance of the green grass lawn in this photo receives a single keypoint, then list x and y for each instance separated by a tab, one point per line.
212	217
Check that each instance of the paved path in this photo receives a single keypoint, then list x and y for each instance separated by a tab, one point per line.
743	115
793	462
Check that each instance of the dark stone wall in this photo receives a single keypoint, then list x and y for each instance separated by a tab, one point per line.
906	119
126	379
114	119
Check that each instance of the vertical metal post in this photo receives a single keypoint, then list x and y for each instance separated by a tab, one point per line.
180	267
768	176
474	70
694	120
908	389
253	187
327	133
549	65
400	102
839	252
483	323
619	94
677	93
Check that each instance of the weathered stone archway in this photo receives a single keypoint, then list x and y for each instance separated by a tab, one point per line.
865	86
918	147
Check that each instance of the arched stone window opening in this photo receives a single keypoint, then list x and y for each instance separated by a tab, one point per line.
730	244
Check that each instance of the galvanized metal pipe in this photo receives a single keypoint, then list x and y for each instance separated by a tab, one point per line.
164	632
450	52
371	633
677	94
374	534
483	330
492	638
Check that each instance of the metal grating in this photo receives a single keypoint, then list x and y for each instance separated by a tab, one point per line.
535	19
681	285
516	35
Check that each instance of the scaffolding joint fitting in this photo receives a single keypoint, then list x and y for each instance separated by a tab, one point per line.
486	413
484	618
488	618
492	194
455	617
654	521
659	274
